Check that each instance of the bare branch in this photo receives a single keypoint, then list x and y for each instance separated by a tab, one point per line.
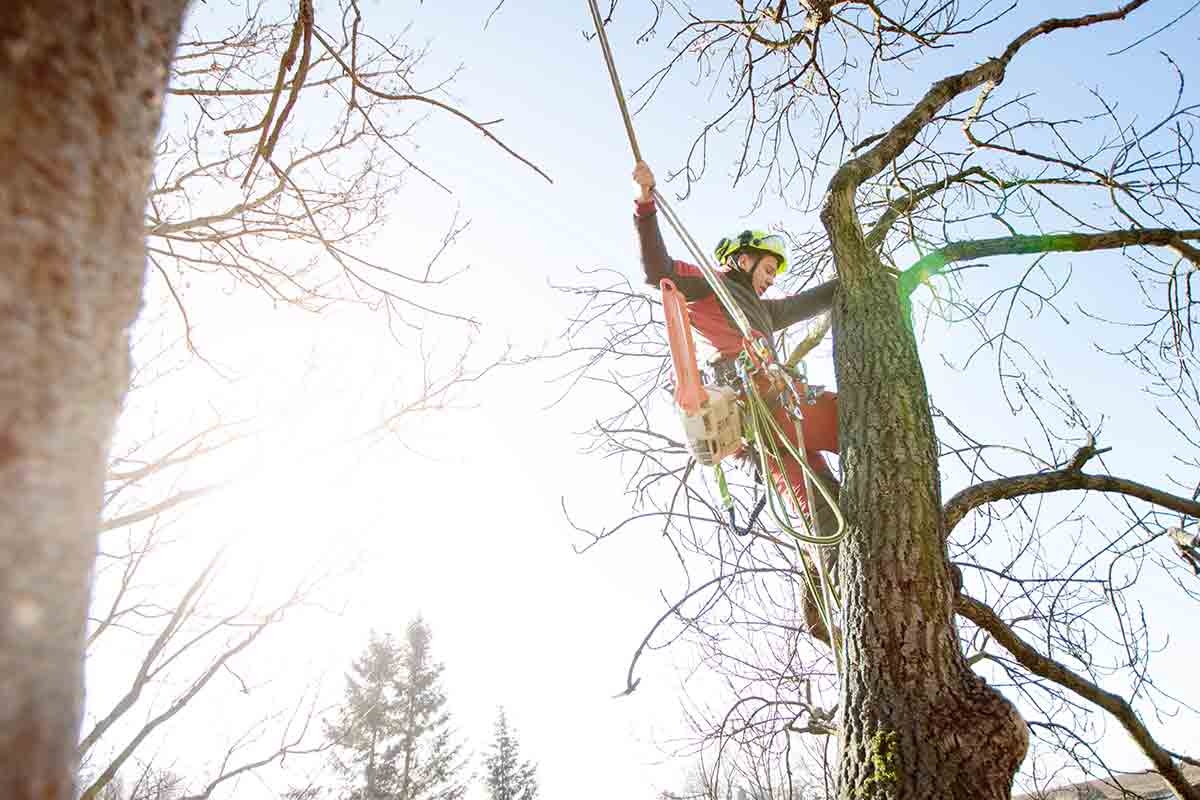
479	126
1071	478
854	172
151	511
1038	664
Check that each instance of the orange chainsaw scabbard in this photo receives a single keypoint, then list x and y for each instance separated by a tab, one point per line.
689	389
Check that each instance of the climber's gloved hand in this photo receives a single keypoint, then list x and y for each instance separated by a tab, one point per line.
644	178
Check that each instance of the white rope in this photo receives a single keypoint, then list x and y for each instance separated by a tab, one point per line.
701	259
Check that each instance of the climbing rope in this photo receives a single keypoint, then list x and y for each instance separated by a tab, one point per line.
767	434
701	258
764	428
763	421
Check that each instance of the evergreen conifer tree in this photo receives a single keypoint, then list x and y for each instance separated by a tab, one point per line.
507	777
427	756
367	721
391	737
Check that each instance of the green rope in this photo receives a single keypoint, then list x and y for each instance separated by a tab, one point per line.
765	431
723	486
763	423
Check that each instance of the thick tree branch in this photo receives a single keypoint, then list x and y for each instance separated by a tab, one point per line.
1060	243
301	32
179	703
239	211
182	611
853	173
1035	662
177	499
1069	478
191	448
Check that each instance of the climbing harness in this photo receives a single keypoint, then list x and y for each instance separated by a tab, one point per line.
711	413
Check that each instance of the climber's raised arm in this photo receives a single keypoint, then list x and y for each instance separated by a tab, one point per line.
656	263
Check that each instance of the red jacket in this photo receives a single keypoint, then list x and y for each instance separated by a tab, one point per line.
819	421
766	316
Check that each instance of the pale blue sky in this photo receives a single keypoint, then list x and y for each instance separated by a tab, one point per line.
462	512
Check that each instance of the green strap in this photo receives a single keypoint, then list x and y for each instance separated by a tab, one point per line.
723	486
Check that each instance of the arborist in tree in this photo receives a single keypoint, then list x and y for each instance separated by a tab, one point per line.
752	261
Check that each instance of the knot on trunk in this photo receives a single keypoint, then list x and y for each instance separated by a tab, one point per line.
974	741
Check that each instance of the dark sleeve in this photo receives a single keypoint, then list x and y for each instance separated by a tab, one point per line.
804	305
656	263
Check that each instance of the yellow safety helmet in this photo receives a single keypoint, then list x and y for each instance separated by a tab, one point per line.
753	240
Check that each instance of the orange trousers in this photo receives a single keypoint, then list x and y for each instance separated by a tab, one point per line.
820	428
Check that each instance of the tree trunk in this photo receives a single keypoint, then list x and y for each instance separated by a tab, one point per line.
915	721
81	85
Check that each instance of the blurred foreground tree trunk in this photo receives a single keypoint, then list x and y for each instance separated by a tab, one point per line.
81	86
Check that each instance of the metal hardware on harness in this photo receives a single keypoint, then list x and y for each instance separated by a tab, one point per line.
724	373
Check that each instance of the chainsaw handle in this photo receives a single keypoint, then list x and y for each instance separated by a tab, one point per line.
689	389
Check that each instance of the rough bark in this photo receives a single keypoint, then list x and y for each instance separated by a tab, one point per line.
916	722
80	101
